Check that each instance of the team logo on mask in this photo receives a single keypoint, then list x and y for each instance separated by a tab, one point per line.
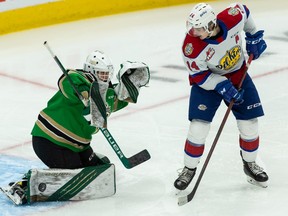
230	59
188	49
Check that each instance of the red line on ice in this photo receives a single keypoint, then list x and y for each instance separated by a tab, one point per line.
125	114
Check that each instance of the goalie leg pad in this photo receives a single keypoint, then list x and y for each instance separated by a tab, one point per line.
71	184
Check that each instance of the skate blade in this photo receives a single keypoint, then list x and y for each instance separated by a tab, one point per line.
257	183
10	197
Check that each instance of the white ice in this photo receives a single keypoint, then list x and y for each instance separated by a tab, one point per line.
158	122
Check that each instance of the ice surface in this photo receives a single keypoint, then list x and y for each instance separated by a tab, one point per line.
158	122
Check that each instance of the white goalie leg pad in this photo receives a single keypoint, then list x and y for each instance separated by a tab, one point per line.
197	134
71	184
132	76
248	130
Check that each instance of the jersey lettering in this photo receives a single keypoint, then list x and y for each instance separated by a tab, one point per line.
230	59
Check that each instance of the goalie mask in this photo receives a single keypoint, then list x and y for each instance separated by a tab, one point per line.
201	18
100	65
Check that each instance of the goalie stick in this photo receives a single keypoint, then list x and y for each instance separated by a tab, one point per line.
127	162
185	199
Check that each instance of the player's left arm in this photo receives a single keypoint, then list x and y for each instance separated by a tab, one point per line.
255	44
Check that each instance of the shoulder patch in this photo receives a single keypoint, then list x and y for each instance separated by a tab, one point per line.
188	49
233	11
231	17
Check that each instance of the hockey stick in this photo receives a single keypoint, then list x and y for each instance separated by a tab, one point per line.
127	162
85	102
185	199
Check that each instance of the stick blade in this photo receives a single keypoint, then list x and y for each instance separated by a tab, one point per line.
138	158
182	200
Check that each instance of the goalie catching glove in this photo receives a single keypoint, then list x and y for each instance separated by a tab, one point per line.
131	76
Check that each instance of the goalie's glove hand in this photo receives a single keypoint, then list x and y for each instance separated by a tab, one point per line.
132	76
140	74
255	44
229	92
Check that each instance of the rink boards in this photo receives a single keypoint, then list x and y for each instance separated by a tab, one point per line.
36	13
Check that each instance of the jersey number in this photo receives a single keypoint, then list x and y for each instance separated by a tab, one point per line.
193	66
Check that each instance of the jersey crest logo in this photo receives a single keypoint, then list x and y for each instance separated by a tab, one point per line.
233	11
210	53
188	49
230	59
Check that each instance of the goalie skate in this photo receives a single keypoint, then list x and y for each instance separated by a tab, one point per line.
15	193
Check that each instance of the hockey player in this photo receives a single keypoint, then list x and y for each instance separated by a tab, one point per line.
62	134
214	56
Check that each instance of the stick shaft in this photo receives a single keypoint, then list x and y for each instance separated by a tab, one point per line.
85	102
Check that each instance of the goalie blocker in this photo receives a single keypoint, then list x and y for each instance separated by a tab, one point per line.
64	184
132	76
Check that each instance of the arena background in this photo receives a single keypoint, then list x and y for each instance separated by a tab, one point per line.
17	15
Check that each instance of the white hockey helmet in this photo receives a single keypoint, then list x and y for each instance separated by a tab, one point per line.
99	64
201	16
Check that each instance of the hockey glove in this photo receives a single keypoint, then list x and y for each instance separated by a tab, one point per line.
229	92
131	76
255	44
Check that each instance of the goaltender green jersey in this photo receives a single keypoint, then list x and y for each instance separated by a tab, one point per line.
63	120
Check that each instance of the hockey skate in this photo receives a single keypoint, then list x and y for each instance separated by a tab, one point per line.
184	179
16	192
255	174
